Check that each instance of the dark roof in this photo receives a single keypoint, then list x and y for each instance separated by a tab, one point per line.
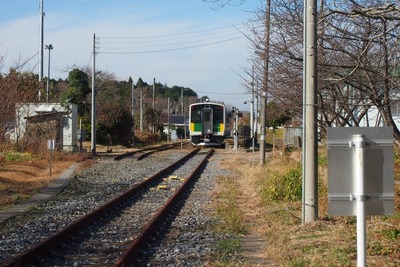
177	119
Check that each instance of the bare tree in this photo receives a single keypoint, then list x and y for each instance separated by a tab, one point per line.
357	63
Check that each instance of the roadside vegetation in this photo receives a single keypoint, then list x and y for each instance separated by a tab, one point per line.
24	174
330	241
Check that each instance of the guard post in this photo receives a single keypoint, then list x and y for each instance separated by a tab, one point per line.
360	176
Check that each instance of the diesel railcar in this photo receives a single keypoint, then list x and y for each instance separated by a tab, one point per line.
207	123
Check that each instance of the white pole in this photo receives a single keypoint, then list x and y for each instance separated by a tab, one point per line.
50	47
93	117
359	143
41	41
141	111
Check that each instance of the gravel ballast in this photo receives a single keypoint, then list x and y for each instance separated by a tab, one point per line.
189	242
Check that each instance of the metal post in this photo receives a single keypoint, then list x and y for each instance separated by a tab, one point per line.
50	47
358	141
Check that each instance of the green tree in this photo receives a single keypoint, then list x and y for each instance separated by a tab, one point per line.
276	115
78	88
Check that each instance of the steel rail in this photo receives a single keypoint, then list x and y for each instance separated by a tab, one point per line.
50	243
151	149
130	254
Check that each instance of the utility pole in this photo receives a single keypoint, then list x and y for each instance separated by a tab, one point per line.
168	133
310	152
265	83
41	23
183	113
154	89
50	47
93	117
141	111
252	110
133	112
182	99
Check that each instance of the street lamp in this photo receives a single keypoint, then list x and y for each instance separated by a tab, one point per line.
49	47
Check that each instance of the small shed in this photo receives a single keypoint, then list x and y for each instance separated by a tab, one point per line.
38	122
177	122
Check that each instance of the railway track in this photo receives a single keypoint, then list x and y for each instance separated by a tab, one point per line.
115	233
147	151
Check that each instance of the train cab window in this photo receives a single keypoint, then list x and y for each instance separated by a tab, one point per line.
218	114
196	114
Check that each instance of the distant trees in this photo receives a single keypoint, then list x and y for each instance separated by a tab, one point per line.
114	102
15	87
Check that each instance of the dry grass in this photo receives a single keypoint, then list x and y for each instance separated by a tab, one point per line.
326	242
20	179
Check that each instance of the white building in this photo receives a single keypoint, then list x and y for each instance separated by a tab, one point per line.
40	122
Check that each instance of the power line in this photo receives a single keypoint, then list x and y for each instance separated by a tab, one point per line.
214	93
170	44
150	43
172	49
168	35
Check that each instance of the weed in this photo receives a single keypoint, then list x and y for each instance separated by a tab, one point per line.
227	249
287	187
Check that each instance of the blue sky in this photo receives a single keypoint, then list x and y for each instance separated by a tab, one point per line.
187	43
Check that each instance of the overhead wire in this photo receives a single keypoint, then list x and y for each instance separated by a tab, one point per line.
126	45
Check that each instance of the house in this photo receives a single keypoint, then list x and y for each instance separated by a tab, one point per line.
176	122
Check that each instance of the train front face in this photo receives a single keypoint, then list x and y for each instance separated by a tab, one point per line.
207	124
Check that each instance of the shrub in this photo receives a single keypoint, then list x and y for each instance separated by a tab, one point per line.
284	187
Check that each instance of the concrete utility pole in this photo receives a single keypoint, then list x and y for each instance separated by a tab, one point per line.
50	47
41	26
93	117
154	89
252	110
182	99
168	133
133	112
153	127
265	84
310	152
141	111
41	41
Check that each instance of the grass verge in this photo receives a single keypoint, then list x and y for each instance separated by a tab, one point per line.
330	241
230	224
